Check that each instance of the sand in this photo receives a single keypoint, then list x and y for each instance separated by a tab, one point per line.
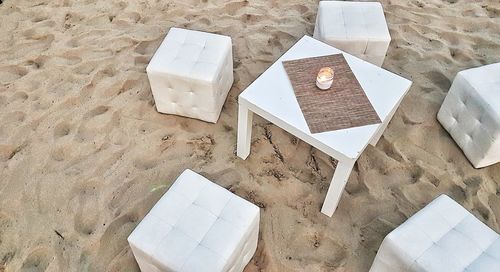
84	155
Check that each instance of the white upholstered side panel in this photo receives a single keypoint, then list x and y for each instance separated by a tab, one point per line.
471	114
358	28
443	236
196	226
191	74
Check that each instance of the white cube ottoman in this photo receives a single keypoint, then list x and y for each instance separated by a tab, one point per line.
196	226
191	74
443	236
471	114
358	28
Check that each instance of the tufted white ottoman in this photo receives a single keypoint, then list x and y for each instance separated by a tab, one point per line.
196	226
443	236
471	114
358	28
191	74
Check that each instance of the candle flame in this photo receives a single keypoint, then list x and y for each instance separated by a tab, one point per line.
325	74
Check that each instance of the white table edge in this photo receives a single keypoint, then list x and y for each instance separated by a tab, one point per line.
293	130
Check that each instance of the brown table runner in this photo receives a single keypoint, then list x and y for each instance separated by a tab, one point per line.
344	105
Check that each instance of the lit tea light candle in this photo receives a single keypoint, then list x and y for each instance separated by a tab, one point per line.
324	79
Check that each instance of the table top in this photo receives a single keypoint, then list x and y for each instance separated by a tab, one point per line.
271	96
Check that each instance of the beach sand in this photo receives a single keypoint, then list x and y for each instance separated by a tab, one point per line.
84	155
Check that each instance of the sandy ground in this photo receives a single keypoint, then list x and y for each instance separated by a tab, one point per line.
84	155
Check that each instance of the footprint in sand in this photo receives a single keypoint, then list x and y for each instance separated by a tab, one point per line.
62	129
65	60
85	68
37	260
3	100
86	195
130	17
14	118
9	74
147	47
39	18
97	111
129	85
100	118
226	178
121	226
62	153
146	162
124	194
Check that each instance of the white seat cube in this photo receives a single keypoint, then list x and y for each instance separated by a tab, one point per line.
196	226
191	74
443	236
471	114
358	28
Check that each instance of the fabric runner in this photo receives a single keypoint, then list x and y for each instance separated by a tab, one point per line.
344	105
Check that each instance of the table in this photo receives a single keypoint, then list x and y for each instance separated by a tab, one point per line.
272	97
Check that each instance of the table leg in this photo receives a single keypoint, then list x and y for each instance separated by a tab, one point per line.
379	134
245	117
382	128
337	185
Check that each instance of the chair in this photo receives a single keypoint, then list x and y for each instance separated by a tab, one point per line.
191	74
443	236
471	114
196	226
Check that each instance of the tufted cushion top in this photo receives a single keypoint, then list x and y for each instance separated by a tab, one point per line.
358	28
191	54
353	20
485	81
443	236
196	226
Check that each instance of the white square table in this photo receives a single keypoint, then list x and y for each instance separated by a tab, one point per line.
272	97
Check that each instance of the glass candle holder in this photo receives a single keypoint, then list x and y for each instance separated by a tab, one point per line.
324	79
